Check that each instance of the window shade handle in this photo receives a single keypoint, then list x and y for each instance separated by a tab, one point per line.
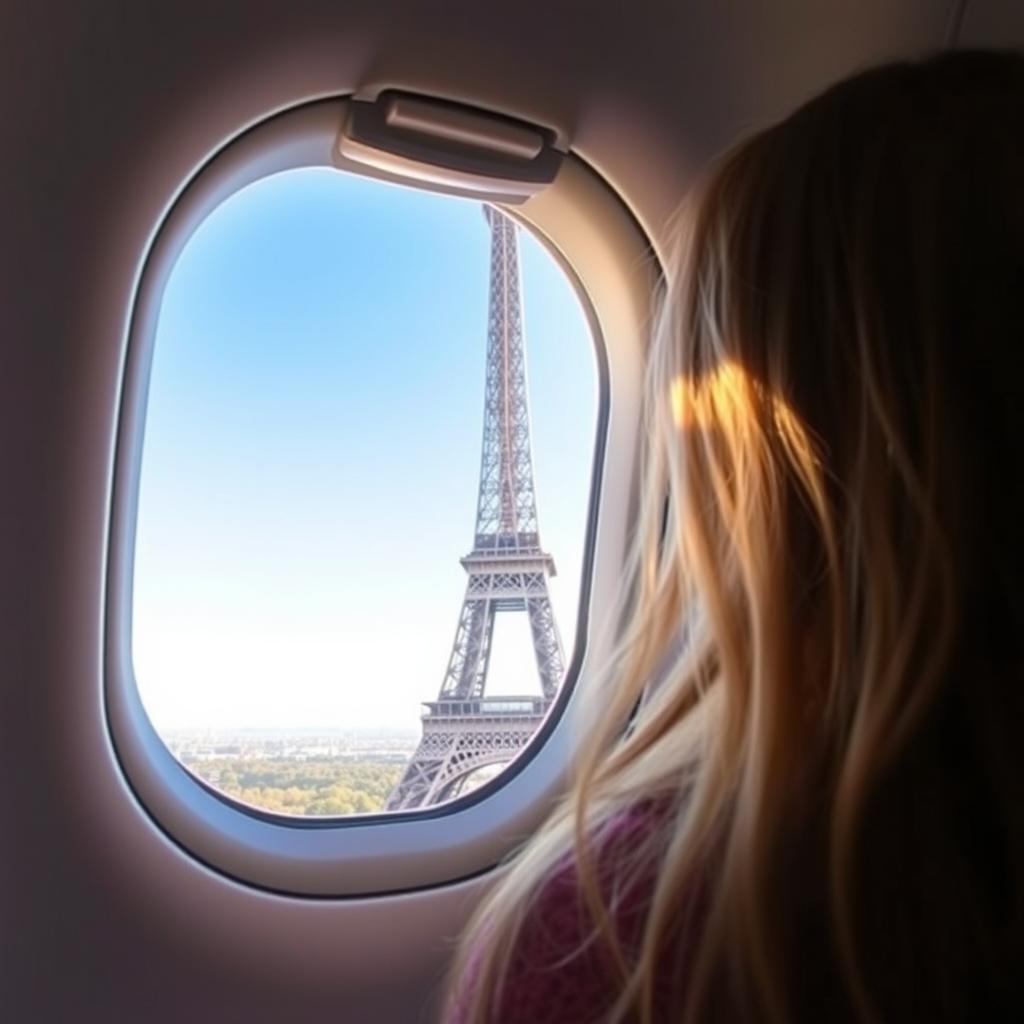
448	147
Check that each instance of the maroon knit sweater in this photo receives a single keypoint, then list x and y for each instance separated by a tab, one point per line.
560	972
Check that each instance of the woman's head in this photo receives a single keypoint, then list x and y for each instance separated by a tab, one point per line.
834	407
835	401
839	351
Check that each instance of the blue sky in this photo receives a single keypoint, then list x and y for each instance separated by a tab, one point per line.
312	445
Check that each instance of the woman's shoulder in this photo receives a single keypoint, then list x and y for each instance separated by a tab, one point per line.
561	968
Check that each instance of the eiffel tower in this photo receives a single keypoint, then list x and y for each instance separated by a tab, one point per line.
508	571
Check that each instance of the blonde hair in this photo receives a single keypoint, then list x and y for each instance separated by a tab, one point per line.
829	597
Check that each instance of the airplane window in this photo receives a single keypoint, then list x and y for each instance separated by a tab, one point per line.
368	446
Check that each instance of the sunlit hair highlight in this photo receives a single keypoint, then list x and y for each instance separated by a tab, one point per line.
807	533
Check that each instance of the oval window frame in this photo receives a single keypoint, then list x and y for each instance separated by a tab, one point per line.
609	260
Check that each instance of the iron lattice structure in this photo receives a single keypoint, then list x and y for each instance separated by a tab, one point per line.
508	570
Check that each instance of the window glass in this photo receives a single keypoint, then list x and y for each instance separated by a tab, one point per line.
340	593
